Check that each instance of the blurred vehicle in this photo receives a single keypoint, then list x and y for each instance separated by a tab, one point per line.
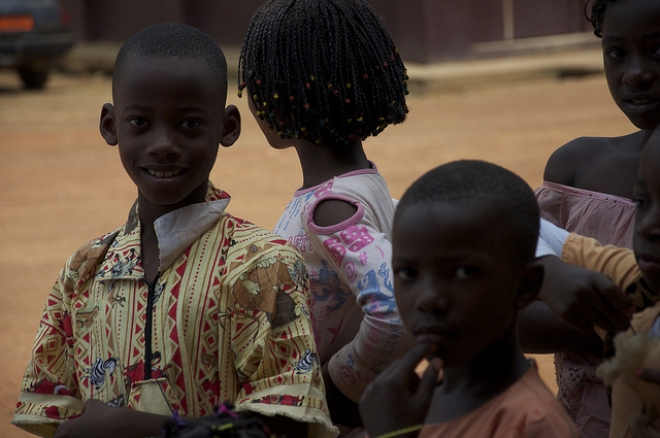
34	34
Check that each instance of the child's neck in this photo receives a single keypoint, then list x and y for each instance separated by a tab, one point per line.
148	213
321	163
467	387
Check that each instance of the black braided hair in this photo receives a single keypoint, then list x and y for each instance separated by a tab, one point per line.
225	423
472	181
598	8
166	40
323	70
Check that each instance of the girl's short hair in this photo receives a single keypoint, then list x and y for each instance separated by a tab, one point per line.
598	8
323	70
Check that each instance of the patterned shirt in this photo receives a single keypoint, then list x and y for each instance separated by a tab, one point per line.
356	320
226	320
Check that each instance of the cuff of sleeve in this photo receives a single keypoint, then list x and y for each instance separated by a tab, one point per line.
551	239
299	402
38	426
40	414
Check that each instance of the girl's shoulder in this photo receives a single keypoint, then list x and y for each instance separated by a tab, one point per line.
570	160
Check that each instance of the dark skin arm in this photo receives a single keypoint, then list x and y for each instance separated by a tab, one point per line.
540	331
102	421
333	212
99	420
584	298
398	398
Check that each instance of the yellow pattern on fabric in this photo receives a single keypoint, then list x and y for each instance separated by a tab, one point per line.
230	323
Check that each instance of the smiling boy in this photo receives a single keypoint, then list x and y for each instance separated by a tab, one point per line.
185	306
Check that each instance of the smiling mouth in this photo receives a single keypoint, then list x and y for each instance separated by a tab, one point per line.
168	174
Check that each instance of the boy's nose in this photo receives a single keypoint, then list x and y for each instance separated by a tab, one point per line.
432	297
164	144
637	73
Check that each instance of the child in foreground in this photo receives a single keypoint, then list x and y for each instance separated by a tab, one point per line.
464	241
322	76
185	306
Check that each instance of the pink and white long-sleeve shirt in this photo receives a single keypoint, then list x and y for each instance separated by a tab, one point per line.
357	325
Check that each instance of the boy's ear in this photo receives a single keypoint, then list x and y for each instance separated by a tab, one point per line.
107	124
231	127
530	285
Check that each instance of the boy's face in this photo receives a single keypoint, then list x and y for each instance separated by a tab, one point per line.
168	121
646	192
631	56
457	285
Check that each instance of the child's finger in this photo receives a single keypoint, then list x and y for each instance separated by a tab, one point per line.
430	377
410	361
601	310
616	304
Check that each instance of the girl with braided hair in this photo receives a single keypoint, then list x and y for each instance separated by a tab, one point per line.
588	187
322	76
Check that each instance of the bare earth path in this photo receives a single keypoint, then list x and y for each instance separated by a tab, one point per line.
61	185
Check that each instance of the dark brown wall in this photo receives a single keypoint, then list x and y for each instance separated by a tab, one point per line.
223	20
424	30
432	30
543	17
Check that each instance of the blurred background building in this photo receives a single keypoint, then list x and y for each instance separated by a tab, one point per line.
425	30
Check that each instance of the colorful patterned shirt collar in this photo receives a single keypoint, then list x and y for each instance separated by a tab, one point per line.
176	231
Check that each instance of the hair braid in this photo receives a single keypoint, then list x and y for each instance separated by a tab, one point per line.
323	70
598	8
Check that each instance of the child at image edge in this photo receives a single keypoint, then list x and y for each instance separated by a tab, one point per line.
638	274
185	306
464	239
589	181
322	76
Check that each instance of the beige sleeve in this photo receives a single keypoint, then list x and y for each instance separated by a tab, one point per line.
618	264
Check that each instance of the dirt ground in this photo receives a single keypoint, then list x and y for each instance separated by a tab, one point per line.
61	185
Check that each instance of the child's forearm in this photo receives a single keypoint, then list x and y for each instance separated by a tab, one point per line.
541	331
99	420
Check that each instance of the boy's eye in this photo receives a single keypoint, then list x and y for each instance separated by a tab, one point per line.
138	122
190	124
466	272
405	274
615	53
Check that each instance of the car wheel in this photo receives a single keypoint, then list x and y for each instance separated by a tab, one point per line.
33	79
